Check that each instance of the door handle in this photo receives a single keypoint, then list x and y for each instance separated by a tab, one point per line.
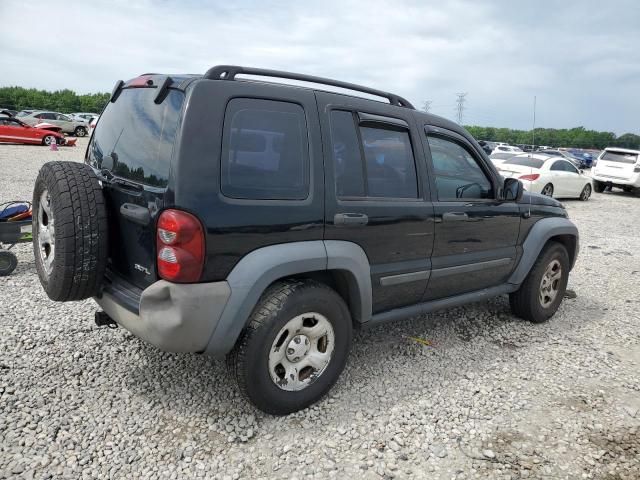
135	213
350	219
455	217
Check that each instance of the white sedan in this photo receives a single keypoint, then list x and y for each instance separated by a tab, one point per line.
552	176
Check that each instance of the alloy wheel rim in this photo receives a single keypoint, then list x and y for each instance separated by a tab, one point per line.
301	351
47	140
586	193
548	191
46	232
550	283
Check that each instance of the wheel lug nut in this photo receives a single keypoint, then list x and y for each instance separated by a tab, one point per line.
290	351
297	339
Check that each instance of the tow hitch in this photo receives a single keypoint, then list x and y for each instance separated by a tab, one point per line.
103	319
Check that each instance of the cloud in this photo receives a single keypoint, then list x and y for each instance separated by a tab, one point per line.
581	61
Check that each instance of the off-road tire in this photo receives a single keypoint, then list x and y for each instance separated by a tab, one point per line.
80	131
598	187
8	263
525	302
80	241
248	361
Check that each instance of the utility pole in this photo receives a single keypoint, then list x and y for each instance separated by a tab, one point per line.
460	106
427	105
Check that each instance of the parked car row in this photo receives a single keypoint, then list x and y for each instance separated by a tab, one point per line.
15	130
43	127
550	175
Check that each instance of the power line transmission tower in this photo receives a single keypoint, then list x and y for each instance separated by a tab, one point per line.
460	106
427	105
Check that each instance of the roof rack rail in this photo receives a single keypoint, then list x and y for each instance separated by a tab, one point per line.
229	72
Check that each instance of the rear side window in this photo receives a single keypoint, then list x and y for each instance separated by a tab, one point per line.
265	152
388	168
619	157
139	135
391	169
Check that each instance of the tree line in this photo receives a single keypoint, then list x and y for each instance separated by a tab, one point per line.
578	137
65	101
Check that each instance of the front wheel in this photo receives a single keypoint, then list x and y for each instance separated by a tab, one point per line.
540	295
48	140
547	190
586	193
294	348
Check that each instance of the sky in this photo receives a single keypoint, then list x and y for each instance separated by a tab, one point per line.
580	58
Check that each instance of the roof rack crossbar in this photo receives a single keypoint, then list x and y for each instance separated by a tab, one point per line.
229	72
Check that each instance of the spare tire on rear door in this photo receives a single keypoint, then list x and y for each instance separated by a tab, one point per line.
69	230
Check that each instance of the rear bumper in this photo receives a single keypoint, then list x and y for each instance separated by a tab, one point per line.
631	181
173	317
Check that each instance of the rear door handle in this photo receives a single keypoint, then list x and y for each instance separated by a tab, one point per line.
455	217
350	219
135	213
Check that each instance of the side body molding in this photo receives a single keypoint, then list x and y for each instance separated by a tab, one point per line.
260	268
540	233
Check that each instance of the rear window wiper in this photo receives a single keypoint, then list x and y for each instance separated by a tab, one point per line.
108	177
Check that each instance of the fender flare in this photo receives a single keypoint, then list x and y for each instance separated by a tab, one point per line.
543	230
260	268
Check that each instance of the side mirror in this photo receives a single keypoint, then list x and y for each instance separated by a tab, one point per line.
512	190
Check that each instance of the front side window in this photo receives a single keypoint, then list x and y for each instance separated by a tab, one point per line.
457	173
265	152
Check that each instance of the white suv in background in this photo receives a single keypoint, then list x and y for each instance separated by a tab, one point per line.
617	167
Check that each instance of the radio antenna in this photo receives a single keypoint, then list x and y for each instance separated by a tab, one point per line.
533	146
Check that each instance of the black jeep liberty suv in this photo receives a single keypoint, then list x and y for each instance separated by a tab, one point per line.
262	221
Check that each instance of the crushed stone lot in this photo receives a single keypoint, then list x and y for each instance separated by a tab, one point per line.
491	397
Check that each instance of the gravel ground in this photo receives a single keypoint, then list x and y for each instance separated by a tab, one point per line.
493	397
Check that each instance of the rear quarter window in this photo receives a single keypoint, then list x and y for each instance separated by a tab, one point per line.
265	152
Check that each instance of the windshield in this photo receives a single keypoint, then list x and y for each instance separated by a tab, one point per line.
619	157
138	134
526	161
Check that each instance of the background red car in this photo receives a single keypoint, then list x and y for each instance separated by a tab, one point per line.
14	131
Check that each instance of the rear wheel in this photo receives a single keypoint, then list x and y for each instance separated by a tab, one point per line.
540	295
80	131
8	263
547	190
294	348
69	230
598	187
586	193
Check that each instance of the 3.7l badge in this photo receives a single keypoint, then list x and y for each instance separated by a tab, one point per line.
142	269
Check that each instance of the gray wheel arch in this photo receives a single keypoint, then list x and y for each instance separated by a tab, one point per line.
559	229
260	268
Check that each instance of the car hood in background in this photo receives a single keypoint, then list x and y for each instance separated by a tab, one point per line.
48	126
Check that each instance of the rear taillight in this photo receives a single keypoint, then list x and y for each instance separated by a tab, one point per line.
180	246
530	178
